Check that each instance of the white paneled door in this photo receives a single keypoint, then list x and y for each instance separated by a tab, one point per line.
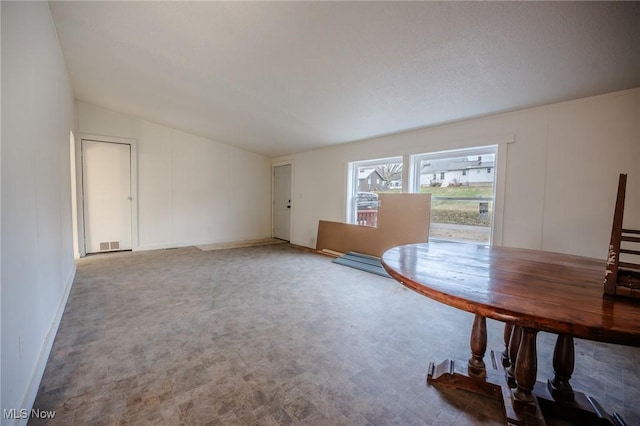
282	202
106	184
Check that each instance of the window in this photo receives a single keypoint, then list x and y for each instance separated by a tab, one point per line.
461	203
369	178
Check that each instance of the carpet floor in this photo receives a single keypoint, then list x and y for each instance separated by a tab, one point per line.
273	335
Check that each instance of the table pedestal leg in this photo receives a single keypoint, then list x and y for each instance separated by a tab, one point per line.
520	405
514	379
526	366
478	345
491	379
472	375
563	363
558	397
514	345
508	330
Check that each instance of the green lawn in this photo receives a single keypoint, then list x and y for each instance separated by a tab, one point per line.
459	212
459	216
458	191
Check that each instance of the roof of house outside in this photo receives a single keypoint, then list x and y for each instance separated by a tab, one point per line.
455	164
365	173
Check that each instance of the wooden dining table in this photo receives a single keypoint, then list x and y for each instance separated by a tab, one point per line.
530	291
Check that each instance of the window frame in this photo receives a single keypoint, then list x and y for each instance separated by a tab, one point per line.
352	175
493	149
499	170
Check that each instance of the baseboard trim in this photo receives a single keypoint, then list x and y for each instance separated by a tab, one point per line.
34	384
192	243
240	244
302	244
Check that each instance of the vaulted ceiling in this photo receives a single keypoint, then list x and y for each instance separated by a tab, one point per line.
283	77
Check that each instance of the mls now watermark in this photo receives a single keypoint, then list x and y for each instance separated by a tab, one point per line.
23	413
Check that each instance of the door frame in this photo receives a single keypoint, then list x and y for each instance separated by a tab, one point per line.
273	197
133	147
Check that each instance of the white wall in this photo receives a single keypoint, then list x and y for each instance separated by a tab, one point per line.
37	257
561	173
191	190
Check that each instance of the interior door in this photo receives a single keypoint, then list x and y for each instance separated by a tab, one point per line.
106	184
282	202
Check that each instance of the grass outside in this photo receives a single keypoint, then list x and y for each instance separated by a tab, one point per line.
459	212
460	217
458	191
450	191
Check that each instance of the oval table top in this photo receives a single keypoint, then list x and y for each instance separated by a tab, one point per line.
553	292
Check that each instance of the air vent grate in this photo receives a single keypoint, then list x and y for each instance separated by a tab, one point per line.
115	245
104	246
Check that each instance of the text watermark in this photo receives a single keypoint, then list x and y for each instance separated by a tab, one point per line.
23	413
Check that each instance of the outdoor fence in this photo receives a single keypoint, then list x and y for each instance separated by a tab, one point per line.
368	217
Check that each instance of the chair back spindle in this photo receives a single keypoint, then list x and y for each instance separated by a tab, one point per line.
622	277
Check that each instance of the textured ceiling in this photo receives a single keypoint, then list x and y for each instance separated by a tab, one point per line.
283	77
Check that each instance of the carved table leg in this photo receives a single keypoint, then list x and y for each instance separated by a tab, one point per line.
478	345
491	379
508	329
526	366
558	397
473	374
521	406
514	345
563	363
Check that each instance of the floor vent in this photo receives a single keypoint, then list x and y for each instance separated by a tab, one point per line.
115	245
104	246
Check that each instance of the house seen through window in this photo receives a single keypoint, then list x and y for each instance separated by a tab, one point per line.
461	201
371	178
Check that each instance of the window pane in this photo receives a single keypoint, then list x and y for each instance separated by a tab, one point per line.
372	178
462	194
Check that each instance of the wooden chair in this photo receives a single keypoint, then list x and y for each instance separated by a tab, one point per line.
622	278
